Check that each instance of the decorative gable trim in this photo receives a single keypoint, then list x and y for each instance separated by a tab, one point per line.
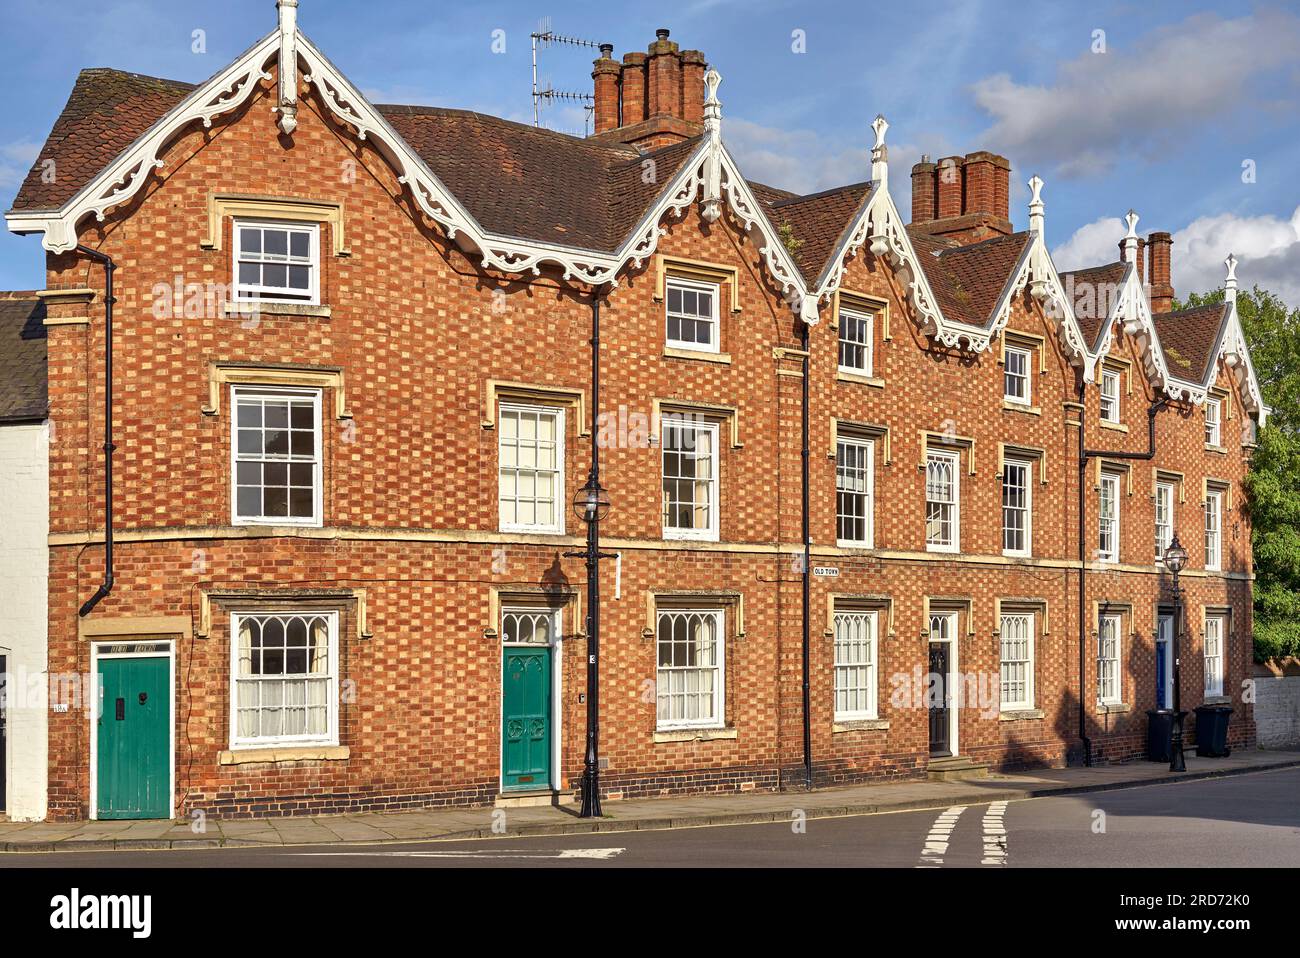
125	176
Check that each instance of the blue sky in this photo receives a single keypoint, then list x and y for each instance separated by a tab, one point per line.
1161	120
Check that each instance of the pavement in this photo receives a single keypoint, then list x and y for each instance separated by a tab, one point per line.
452	824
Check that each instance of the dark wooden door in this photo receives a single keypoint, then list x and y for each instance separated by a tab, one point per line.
939	705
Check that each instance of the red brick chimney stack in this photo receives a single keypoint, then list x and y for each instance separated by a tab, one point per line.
924	198
657	96
962	197
605	74
1159	246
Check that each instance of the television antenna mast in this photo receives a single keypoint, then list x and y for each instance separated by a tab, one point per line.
543	37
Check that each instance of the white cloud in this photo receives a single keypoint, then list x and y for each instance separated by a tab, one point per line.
1267	248
16	160
805	162
1166	86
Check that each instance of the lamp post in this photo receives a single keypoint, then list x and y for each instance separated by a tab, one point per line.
591	504
1175	562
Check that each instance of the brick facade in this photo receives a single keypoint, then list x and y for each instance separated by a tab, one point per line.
410	504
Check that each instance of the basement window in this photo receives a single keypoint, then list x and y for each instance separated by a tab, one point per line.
277	262
691	315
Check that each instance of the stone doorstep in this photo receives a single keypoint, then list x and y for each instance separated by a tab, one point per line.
976	795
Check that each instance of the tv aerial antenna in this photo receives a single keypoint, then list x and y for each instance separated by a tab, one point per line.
543	91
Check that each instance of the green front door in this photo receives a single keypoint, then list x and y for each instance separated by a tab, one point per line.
133	773
526	718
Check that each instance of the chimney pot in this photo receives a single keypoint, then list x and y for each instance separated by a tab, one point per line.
662	33
606	50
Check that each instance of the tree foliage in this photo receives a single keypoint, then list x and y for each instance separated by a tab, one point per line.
1273	485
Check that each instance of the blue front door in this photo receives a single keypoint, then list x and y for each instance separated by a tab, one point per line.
1162	690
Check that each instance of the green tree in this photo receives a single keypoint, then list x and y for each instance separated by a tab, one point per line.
1273	484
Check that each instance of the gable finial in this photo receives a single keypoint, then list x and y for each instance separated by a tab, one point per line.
288	105
1230	284
1036	218
712	105
1131	237
713	133
880	152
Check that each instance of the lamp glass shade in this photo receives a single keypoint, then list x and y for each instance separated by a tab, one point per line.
591	502
1175	556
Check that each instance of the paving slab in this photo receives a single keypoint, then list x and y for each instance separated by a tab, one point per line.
620	815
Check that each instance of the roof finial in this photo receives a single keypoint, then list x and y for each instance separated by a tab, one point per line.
288	105
713	133
880	152
1230	284
1036	204
712	105
1131	237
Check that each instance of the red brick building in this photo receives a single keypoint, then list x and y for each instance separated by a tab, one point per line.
351	406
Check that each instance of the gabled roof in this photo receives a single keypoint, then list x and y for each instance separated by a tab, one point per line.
23	376
1189	339
969	280
1094	291
817	222
534	183
105	113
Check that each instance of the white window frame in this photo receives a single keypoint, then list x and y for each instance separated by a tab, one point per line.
238	392
710	533
846	665
953	459
1023	377
276	294
332	685
1027	508
868	453
1214	530
1109	481
1026	701
1213	424
1164	518
1110	395
717	716
1113	663
868	352
1215	635
690	285
560	503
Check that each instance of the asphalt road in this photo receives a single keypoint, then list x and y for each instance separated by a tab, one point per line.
1245	821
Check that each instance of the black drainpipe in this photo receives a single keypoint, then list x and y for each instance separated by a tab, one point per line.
106	586
1084	455
807	570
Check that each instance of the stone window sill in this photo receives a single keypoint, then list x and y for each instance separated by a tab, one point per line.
694	734
676	352
1021	715
300	753
1217	700
1218	449
1117	426
844	376
859	725
275	309
1114	707
1011	406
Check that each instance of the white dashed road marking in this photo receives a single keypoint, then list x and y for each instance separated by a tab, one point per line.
995	835
936	843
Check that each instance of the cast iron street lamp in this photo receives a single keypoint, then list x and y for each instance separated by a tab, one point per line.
591	504
1175	562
